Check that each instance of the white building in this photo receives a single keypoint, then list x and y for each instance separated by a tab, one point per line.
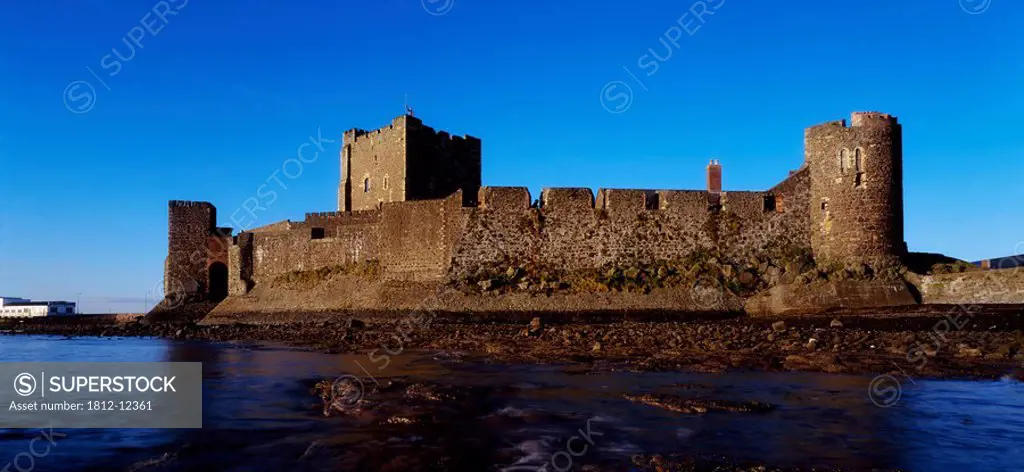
13	307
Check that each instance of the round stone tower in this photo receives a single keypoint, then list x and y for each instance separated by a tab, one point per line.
856	190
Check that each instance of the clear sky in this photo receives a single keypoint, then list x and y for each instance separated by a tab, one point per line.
205	100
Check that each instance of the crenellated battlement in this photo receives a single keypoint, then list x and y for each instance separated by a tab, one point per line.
626	201
188	204
872	118
330	219
355	135
566	199
415	124
504	199
858	120
326	214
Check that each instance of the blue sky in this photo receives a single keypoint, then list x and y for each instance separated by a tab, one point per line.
219	94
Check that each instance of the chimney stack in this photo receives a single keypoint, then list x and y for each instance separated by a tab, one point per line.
715	177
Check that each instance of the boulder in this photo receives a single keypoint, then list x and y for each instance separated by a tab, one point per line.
535	327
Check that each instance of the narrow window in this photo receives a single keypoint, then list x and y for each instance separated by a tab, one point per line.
386	184
769	204
824	205
316	233
858	166
366	184
842	161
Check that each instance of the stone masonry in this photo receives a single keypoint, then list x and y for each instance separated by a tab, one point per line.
405	161
411	200
857	189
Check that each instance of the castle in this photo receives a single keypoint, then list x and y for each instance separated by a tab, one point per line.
410	200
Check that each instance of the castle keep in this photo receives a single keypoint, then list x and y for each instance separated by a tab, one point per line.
406	161
410	200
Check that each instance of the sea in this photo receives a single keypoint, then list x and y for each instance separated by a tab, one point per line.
259	414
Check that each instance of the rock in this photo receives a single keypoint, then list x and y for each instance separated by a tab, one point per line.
812	344
836	323
535	326
968	352
747	278
779	326
794	361
524	285
771	337
596	348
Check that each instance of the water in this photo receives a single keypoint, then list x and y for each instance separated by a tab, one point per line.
259	415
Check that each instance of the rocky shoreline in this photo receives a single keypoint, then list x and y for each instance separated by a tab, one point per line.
925	341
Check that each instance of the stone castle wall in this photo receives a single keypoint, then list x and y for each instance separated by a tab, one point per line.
322	240
572	231
975	287
845	204
433	240
417	238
